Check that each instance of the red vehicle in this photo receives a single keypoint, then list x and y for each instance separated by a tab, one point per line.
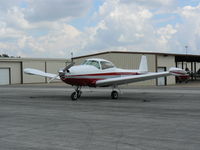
183	78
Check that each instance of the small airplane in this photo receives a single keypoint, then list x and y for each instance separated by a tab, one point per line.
96	72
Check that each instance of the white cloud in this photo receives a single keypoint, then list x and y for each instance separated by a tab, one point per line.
51	10
161	4
57	43
43	38
59	40
121	25
165	35
5	4
188	31
42	30
15	18
131	26
189	11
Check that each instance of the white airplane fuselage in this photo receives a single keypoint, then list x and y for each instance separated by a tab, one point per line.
87	75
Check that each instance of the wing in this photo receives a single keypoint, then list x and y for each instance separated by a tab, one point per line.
130	79
136	78
40	73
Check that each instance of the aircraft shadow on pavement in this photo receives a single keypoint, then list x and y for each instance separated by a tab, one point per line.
91	97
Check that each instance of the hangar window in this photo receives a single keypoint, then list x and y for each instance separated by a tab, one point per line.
92	63
106	65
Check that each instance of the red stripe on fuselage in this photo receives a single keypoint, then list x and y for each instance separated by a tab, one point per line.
107	74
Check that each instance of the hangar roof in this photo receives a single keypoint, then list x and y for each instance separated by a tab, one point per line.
31	59
132	52
178	57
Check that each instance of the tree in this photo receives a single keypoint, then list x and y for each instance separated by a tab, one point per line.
5	55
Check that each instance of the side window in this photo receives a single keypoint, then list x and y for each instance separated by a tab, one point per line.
95	63
92	63
106	65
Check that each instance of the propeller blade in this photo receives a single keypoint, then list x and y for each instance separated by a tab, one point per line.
65	69
53	78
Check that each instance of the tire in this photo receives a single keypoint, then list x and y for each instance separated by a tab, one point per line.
114	95
74	96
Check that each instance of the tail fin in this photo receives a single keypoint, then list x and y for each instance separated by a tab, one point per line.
143	64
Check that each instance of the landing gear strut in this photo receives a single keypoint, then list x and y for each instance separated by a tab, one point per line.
77	94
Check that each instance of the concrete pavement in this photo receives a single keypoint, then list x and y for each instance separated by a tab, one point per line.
42	117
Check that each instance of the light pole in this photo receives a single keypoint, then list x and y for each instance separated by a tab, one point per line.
186	47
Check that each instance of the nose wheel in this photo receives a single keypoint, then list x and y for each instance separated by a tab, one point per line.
77	94
74	96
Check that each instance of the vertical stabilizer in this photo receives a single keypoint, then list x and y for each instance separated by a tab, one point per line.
143	64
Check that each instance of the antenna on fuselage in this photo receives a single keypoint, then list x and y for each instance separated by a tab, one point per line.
71	56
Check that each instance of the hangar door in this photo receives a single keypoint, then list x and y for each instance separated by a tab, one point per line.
162	80
4	76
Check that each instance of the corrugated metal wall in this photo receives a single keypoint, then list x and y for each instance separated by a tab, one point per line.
16	67
40	65
50	66
167	61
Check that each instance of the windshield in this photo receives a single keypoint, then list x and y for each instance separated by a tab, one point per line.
92	63
106	65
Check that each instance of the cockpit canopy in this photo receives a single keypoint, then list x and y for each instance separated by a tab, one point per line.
99	63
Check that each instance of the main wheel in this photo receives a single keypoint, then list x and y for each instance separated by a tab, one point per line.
114	95
74	96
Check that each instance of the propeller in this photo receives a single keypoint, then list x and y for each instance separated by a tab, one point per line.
53	78
68	66
62	71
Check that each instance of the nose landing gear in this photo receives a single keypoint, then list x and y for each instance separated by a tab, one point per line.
77	94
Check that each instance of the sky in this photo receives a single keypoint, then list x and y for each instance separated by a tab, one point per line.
56	28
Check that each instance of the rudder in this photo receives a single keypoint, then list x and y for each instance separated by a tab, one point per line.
143	68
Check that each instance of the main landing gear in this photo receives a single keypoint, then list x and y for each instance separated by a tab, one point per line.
77	94
114	93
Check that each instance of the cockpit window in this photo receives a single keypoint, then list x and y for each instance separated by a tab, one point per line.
84	63
106	65
92	63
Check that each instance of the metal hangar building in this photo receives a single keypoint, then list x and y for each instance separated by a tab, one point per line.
11	69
